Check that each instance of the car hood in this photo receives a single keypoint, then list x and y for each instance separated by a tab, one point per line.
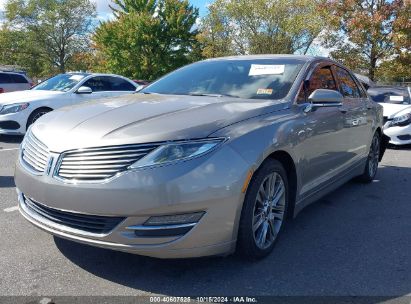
26	96
391	110
140	118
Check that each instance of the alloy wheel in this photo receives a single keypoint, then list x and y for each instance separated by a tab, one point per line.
37	116
373	156
269	210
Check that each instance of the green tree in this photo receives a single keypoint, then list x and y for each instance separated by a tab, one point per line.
147	38
396	69
369	31
16	48
262	26
55	30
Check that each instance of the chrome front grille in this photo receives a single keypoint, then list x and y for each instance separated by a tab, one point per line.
34	154
96	164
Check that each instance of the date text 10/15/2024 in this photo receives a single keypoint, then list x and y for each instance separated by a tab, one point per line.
167	299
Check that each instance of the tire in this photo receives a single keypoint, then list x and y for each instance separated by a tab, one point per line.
257	213
371	166
36	115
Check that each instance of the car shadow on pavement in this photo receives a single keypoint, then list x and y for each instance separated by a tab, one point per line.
403	147
7	182
353	242
11	139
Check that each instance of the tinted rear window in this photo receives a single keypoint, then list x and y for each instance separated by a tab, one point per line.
4	78
15	78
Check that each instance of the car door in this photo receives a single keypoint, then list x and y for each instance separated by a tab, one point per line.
104	87
100	89
357	114
322	150
118	86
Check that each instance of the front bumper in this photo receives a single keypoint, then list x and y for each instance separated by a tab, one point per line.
210	184
399	135
13	124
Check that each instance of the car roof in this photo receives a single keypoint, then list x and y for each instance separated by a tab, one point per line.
304	58
14	73
94	74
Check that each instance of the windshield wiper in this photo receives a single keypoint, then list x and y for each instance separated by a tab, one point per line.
213	95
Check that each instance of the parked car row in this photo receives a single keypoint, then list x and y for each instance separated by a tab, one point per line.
396	101
211	158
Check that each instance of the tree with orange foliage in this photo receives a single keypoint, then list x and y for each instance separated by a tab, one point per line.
365	33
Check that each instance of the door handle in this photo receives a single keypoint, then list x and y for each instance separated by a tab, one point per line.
343	110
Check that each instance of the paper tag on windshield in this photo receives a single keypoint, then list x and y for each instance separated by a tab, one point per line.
266	69
76	77
396	98
264	91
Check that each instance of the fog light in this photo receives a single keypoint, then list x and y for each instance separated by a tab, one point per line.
167	225
174	219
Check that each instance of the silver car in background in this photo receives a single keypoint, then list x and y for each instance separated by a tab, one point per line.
211	158
14	81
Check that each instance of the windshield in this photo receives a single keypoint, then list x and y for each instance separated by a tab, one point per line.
62	82
250	79
395	95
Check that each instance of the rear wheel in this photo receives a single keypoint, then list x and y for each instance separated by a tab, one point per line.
264	211
36	115
373	158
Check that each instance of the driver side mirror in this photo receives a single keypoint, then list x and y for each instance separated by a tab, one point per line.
322	98
84	90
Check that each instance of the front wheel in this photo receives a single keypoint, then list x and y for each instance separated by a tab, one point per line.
264	211
36	115
373	158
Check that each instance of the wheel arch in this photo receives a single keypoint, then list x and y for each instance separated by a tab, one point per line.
289	165
36	110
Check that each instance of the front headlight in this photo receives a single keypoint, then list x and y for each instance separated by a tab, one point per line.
177	151
13	108
401	121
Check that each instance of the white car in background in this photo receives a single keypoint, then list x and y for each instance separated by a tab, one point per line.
396	102
18	110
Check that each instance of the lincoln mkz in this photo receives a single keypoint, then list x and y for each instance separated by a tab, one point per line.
211	158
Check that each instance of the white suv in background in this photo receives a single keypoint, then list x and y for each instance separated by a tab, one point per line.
12	81
18	110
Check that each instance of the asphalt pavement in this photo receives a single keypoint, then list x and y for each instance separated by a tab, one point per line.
354	242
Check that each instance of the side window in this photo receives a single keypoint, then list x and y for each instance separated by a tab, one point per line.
118	84
18	78
321	78
348	86
363	87
4	78
98	84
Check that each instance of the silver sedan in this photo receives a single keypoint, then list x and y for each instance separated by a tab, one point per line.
211	158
